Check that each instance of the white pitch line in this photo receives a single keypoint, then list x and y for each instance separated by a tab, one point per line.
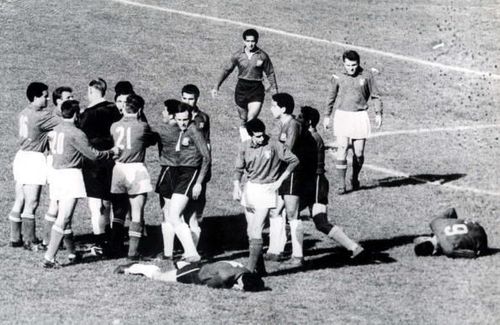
428	130
319	40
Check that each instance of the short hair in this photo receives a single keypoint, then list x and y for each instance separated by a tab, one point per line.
424	248
351	56
285	100
69	108
183	107
254	126
252	282
99	84
171	105
310	115
123	88
35	89
251	32
134	103
57	93
191	89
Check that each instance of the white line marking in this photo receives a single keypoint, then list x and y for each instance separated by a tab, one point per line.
448	129
314	39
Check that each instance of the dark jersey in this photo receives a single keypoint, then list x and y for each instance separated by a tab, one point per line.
222	274
202	122
313	153
168	138
96	122
34	125
133	136
293	134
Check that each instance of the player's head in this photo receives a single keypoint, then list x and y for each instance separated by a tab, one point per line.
190	94
123	87
182	115
169	110
351	61
38	94
256	130
250	38
70	109
310	116
61	94
97	88
133	104
283	103
120	101
424	246
251	282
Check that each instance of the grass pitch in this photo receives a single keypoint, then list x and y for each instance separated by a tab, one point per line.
71	42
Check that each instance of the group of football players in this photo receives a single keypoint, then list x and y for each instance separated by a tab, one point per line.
98	152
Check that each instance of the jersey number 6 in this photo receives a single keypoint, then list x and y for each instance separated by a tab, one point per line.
456	229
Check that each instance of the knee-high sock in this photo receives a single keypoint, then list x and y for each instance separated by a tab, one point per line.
357	164
341	170
47	227
338	234
254	254
69	241
168	234
135	234
15	226
195	233
28	227
56	237
117	234
184	234
277	235
297	234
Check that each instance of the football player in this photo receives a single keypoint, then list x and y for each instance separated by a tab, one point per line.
453	237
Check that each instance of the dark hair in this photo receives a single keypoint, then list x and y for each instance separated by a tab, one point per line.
252	282
255	125
183	107
191	89
424	248
134	103
285	100
69	108
310	115
100	85
35	89
171	105
57	94
350	55
123	88
251	32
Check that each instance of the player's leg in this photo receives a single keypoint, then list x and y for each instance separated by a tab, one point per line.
341	163
31	200
253	110
121	208
255	224
178	203
137	203
99	215
15	217
357	161
49	219
167	230
296	227
277	231
243	115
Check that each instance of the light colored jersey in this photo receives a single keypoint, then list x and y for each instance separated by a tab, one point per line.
133	136
34	125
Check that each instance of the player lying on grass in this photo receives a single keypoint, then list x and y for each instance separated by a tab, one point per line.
221	274
453	237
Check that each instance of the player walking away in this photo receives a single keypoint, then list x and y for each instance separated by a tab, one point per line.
252	63
292	137
70	146
30	165
350	92
95	122
453	237
221	274
59	96
130	176
262	160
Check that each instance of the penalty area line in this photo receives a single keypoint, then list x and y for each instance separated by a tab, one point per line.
318	40
429	130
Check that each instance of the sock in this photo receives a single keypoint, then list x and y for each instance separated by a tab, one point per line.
254	254
99	224
184	234
168	234
47	227
357	164
321	222
69	241
56	237
297	234
15	226
277	231
135	234
341	170
116	239
28	227
338	234
244	134
195	233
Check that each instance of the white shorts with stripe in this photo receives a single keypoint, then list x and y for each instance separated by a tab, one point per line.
67	183
354	125
259	196
30	168
130	178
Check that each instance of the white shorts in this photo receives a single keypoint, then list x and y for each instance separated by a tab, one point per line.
259	196
130	178
30	168
354	125
67	183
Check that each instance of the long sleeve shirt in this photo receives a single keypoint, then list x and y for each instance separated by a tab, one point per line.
351	93
250	68
96	122
133	136
192	149
34	126
263	162
69	145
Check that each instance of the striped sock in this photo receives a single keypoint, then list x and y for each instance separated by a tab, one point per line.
341	169
135	234
254	253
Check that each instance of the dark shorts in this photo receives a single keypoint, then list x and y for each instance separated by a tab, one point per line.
291	185
248	91
189	274
314	190
97	177
179	179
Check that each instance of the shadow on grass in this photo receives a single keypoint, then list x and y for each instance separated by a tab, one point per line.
413	180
